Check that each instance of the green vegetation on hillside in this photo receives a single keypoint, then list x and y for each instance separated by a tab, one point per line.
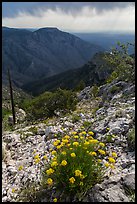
122	64
49	103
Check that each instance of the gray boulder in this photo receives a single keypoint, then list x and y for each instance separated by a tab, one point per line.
110	190
129	181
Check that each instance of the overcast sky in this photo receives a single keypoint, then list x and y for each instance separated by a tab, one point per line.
71	16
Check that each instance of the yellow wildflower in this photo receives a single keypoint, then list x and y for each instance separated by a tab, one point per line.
73	154
78	172
111	166
111	160
84	133
108	128
81	137
64	153
53	152
90	137
91	133
64	163
70	148
13	190
74	133
82	176
102	144
50	181
86	143
114	154
54	158
81	183
93	141
56	142
72	180
36	156
55	200
99	160
65	141
68	144
93	153
62	144
75	143
59	146
66	136
106	164
37	161
101	151
54	163
20	168
76	136
50	171
45	157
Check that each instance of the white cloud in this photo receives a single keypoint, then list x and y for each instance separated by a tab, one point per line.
85	20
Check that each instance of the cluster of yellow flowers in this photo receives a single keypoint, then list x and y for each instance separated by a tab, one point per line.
20	168
50	171
84	140
36	158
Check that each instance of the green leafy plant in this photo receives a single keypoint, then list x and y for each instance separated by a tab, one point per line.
109	138
86	124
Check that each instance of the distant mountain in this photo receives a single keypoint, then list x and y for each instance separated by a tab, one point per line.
42	53
94	72
108	40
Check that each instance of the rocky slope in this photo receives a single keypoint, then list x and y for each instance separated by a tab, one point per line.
111	115
42	53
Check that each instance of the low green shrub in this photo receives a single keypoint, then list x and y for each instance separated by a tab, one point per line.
47	104
75	118
34	130
114	89
86	124
94	90
5	112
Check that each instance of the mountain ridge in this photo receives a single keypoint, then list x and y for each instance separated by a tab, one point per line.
46	51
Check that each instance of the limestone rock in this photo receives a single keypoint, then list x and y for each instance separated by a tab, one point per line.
129	181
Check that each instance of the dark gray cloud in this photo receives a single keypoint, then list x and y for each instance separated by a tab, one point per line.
12	9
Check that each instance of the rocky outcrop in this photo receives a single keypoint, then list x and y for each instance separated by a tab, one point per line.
111	124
